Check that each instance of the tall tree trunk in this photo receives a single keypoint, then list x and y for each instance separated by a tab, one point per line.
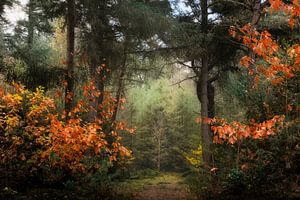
95	76
211	114
211	99
69	76
206	137
96	60
202	94
257	7
256	13
159	151
120	85
30	35
31	80
254	23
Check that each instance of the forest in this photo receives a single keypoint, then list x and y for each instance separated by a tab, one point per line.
149	99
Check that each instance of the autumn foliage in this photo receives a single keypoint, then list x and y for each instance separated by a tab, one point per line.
291	9
35	133
237	131
269	61
279	62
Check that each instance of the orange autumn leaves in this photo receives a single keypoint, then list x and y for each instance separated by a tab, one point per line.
32	129
268	60
291	9
236	131
225	132
271	60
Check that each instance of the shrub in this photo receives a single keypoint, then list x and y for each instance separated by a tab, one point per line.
36	138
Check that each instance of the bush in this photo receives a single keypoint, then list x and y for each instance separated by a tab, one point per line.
146	173
235	181
38	140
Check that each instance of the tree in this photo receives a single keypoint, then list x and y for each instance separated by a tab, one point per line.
157	127
203	45
69	75
2	48
164	118
37	21
270	127
182	127
29	45
112	43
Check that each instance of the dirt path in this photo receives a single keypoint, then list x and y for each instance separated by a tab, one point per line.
164	187
168	191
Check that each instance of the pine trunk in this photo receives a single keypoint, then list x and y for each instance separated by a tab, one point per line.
211	99
120	86
96	60
69	76
30	25
159	152
203	93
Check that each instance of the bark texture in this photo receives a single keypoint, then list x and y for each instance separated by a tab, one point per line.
203	91
69	76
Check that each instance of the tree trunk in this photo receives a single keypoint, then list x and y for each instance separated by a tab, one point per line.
96	60
120	86
202	88
257	6
30	35
202	94
256	13
254	23
211	99
94	63
211	114
69	76
158	151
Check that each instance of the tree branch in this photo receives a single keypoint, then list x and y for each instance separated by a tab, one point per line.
157	50
231	1
183	64
188	78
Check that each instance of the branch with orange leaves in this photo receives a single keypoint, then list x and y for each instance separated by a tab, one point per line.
279	63
236	131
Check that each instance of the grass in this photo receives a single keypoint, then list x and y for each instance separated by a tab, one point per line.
120	190
163	185
160	179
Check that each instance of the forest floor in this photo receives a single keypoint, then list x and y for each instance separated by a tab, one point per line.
163	186
166	186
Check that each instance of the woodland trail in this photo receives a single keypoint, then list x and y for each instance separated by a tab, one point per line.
169	191
163	187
